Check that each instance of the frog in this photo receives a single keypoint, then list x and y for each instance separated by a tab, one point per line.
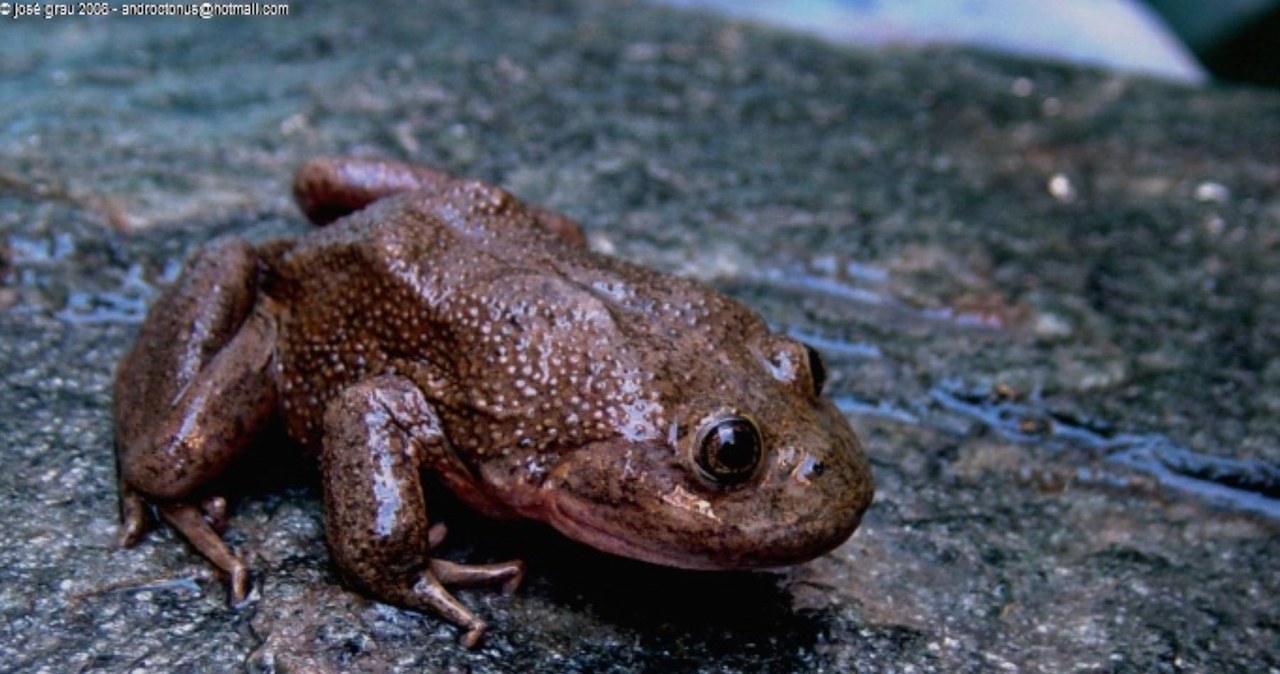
436	334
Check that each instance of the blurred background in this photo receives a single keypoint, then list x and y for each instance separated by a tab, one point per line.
1183	40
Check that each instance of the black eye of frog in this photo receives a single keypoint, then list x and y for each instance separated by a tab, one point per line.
729	450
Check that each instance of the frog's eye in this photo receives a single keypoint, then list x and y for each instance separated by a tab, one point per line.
816	369
729	450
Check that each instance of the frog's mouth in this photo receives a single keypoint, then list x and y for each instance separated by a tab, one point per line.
579	521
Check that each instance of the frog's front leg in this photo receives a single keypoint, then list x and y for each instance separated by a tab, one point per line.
378	437
190	395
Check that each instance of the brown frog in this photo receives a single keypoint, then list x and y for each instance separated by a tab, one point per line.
441	326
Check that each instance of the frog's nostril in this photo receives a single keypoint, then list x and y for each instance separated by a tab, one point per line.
810	468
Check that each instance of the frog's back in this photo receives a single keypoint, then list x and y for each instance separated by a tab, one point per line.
397	280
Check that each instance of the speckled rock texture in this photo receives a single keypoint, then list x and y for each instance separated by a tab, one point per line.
1046	296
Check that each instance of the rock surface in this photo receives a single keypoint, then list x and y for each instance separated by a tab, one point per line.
1047	297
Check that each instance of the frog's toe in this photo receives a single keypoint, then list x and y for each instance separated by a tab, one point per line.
134	520
452	573
239	581
435	535
513	583
475	632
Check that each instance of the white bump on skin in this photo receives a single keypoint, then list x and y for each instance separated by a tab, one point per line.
680	498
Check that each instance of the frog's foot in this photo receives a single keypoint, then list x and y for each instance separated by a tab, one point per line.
451	573
193	523
428	592
202	526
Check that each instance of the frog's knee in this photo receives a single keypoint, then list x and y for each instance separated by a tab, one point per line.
159	480
171	469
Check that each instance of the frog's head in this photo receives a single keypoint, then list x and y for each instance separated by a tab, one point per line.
753	468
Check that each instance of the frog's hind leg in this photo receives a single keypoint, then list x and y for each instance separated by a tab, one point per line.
331	187
191	394
378	436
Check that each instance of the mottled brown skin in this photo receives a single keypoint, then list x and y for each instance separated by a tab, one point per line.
440	325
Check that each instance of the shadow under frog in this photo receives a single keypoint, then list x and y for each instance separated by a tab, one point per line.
662	617
438	326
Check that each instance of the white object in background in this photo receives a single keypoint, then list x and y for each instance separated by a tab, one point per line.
1118	34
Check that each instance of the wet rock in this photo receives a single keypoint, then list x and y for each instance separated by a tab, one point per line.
1044	295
